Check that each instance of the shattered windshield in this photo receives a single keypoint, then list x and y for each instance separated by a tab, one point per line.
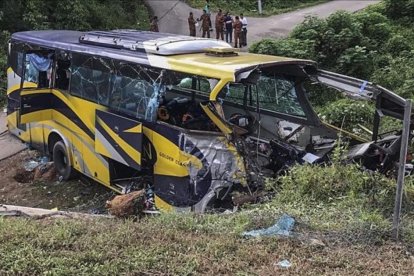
271	92
276	93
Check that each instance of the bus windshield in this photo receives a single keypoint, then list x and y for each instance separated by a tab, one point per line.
271	92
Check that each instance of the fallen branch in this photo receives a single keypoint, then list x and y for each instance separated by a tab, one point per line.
39	213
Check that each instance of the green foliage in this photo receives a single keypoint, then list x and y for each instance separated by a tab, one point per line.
248	7
371	45
324	184
356	61
400	10
348	113
397	73
73	14
289	48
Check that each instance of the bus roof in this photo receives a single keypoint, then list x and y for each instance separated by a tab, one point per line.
170	51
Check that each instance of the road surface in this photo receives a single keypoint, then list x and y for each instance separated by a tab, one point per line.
9	144
173	16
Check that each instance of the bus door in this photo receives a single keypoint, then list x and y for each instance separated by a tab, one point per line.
35	91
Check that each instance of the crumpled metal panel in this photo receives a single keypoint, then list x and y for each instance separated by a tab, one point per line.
213	164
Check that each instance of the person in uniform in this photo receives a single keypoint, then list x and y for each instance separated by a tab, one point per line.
192	24
207	9
229	28
154	24
237	26
219	25
205	24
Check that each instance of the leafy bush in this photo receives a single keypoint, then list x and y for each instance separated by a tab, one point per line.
291	47
400	10
348	113
398	75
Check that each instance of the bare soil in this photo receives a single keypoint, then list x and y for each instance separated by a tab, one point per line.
19	187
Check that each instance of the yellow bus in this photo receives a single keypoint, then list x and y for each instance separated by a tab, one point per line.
187	117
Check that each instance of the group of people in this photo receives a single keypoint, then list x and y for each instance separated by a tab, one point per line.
224	24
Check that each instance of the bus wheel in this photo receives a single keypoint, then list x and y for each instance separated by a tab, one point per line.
61	161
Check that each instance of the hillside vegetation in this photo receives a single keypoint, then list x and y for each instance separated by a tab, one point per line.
376	44
250	8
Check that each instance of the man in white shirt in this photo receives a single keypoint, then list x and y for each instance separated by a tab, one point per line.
244	30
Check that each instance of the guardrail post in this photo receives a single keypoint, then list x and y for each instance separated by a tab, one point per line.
401	170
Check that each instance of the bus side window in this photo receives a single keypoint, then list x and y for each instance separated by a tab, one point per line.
102	72
81	80
132	89
38	69
15	60
62	72
90	78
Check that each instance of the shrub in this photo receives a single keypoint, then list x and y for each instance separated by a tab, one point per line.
288	47
348	113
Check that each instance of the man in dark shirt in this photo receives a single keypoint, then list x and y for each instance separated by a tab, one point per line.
229	28
192	24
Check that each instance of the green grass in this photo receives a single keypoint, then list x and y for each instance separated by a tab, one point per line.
348	210
184	244
250	8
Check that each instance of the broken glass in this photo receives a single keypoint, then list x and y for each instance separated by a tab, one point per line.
136	90
38	69
275	93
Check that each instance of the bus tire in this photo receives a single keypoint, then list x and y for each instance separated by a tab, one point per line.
61	161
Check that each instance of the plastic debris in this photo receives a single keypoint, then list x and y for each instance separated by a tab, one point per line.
29	166
284	264
282	227
33	164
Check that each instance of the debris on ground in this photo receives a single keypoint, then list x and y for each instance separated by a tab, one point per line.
39	213
284	264
45	172
127	205
282	227
31	165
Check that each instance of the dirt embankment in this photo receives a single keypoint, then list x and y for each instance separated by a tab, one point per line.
33	189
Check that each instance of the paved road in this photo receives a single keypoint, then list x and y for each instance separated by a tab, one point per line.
9	144
174	14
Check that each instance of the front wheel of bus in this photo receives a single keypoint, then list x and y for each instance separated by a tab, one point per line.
61	161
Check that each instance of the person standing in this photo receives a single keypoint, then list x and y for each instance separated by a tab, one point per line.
237	26
154	25
244	29
205	24
192	24
207	9
219	25
229	28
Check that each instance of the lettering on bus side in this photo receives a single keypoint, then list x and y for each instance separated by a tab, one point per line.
171	159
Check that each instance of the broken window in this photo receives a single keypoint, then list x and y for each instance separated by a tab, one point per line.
62	75
201	86
90	78
136	90
38	69
275	93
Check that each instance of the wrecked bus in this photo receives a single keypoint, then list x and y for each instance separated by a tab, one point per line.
189	119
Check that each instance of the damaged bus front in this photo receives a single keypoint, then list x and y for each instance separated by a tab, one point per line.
266	115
